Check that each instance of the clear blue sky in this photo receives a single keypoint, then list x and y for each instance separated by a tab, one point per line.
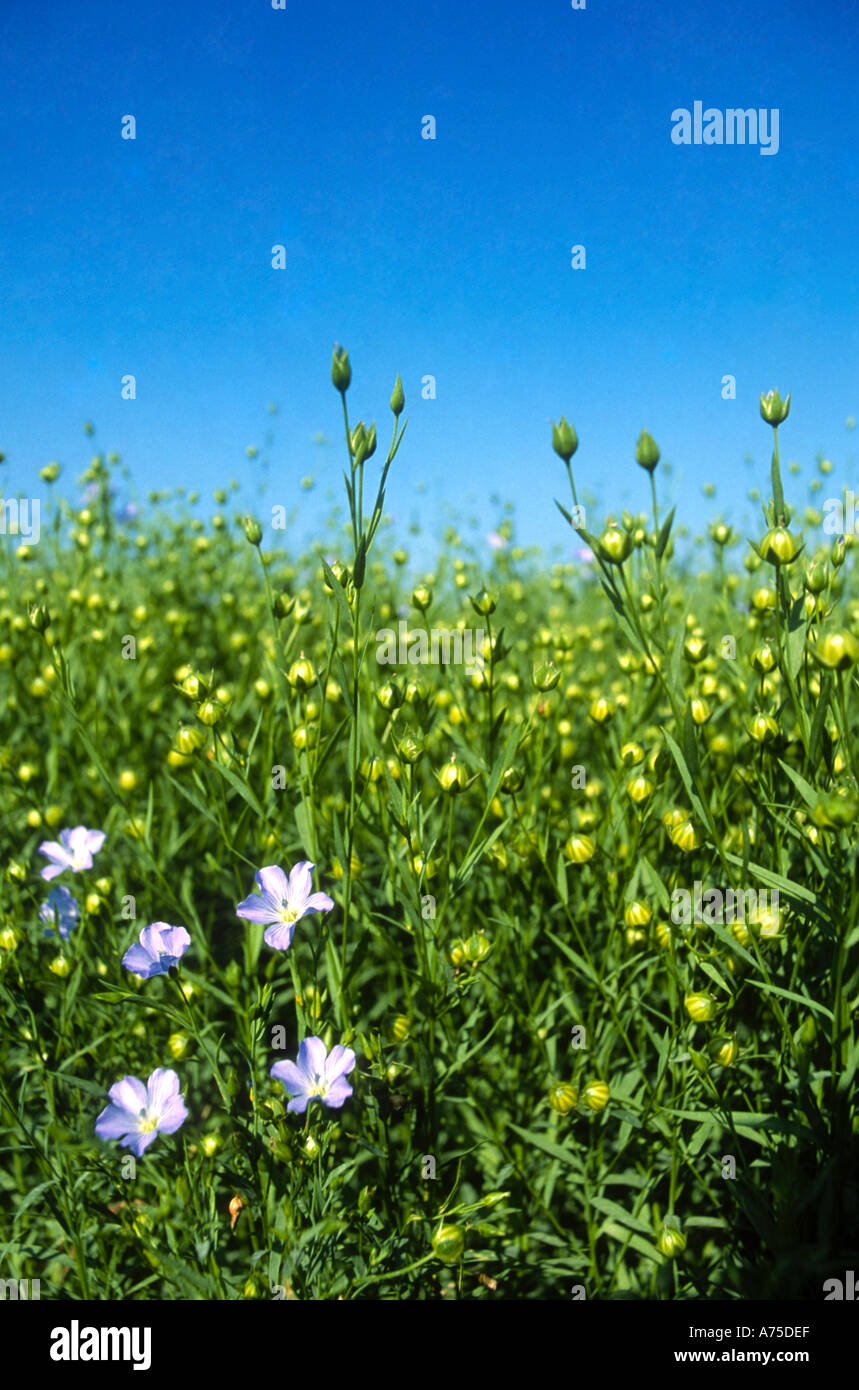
449	257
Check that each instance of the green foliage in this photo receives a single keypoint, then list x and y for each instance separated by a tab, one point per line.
474	966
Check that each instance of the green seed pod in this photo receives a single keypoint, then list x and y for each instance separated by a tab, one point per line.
195	686
40	618
814	577
483	603
546	676
449	1243
779	547
210	712
253	530
390	696
837	650
340	572
301	675
615	545
477	947
283	605
410	748
188	740
512	780
672	1242
453	777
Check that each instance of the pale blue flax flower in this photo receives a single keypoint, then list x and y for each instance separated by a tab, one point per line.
316	1075
281	902
74	850
160	947
138	1114
61	912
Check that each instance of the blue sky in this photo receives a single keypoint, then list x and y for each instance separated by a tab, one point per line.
446	257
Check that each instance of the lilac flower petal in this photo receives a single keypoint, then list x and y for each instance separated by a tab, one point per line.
318	902
138	961
300	883
161	1088
337	1094
256	909
299	1104
139	1142
129	1094
173	1116
279	936
51	871
289	1075
176	941
113	1122
272	883
311	1058
94	840
54	850
341	1060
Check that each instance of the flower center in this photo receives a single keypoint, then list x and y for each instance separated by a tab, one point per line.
288	914
147	1122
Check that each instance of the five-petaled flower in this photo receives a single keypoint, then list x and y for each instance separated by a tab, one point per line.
74	850
138	1113
160	947
316	1075
61	912
281	902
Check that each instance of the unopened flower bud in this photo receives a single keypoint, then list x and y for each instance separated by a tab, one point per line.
40	618
453	777
563	1097
579	849
672	1242
646	452
837	650
483	603
341	371
564	441
195	686
210	712
283	605
253	530
700	1007
546	676
779	547
410	748
773	409
615	545
390	696
301	675
596	1095
398	397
